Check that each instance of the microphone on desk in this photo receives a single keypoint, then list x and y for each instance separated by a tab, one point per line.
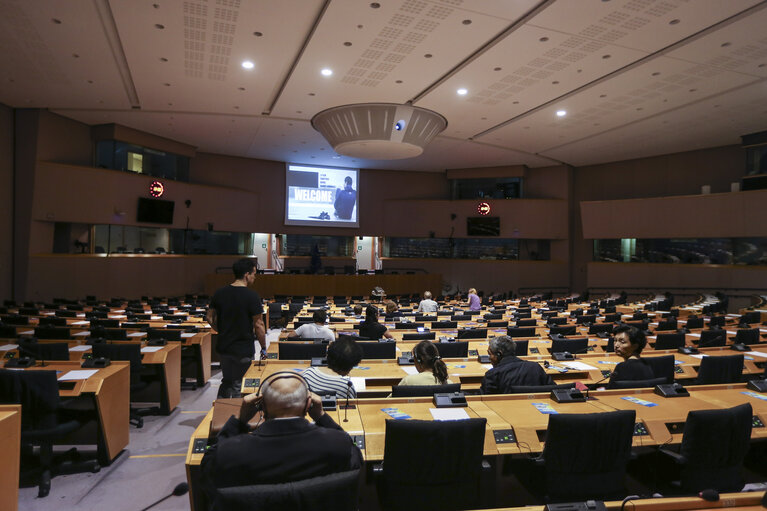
709	495
346	408
180	489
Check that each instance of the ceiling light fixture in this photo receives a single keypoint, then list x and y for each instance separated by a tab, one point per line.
462	92
326	72
379	131
561	113
248	64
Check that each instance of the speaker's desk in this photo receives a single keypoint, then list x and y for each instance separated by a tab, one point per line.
10	442
106	393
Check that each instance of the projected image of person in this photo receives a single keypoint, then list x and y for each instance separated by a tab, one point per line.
345	200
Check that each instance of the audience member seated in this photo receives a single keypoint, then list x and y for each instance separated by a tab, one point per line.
343	355
431	368
629	343
284	448
392	310
371	328
427	304
472	301
316	330
509	370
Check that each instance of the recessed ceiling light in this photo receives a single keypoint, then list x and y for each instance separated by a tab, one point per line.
466	22
348	43
543	39
428	56
462	92
497	68
398	81
163	59
248	64
725	45
56	21
326	72
561	113
258	34
673	22
606	56
159	27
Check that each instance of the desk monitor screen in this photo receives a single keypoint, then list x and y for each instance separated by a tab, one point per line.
321	196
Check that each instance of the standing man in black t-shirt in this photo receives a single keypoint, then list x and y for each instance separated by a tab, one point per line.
235	312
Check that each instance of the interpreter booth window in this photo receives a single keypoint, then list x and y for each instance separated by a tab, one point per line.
487	188
126	239
327	246
113	154
453	248
745	251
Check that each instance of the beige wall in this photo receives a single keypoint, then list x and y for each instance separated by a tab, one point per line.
6	201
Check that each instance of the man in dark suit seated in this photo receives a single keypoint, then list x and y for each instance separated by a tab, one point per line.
284	448
509	370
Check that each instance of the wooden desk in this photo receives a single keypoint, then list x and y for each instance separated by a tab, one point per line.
10	442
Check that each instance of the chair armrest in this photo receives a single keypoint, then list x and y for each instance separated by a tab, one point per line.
378	469
539	461
678	458
486	466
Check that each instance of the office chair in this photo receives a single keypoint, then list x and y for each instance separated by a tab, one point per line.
407	326
446	325
585	456
747	336
52	321
44	351
575	346
712	338
419	336
52	332
423	390
637	384
300	351
130	352
448	473
532	389
599	328
714	445
163	333
694	323
15	319
472	333
456	349
550	321
43	421
562	330
669	341
520	331
526	322
662	367
720	369
334	491
379	350
498	324
717	321
8	332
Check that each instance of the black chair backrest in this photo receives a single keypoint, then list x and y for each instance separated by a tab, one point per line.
551	321
29	311
562	330
334	491
712	338
378	349
497	324
425	317
13	319
720	369
520	349
113	334
577	346
669	341
586	318
300	351
45	350
130	352
747	336
613	317
66	313
520	331
526	322
407	326
666	325
419	336
662	367
444	324
453	349
598	328
163	333
694	323
8	332
52	332
637	384
38	394
447	477
751	317
714	445
717	321
423	390
105	323
596	469
472	333
493	316
461	317
52	321
532	389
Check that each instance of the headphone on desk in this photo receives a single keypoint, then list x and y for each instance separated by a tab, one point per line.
280	375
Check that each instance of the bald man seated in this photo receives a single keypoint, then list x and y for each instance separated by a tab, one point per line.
285	447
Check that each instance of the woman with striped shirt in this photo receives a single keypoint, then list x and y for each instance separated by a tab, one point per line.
343	355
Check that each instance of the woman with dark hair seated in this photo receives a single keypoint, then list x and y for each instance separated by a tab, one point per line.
431	368
629	343
343	355
371	328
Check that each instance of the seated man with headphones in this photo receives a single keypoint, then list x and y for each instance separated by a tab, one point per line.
285	447
509	370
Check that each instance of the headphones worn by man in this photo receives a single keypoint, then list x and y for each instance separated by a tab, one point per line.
280	375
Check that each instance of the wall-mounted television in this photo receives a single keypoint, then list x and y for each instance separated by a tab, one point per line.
483	226
324	196
155	211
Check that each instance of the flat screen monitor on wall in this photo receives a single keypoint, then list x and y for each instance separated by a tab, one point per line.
155	211
321	196
483	226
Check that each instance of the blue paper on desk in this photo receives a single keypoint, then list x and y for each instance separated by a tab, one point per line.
545	408
639	401
757	396
395	413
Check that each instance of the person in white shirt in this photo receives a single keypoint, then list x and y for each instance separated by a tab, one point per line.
427	304
316	330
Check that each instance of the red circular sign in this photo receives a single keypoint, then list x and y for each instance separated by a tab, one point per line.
156	189
483	208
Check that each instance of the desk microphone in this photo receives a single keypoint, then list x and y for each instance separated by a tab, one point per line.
709	495
180	489
348	391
